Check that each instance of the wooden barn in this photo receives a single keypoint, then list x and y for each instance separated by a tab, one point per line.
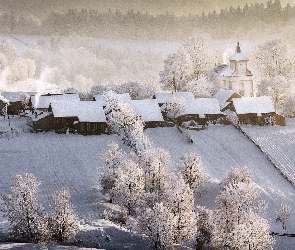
84	117
149	111
225	97
257	111
42	102
202	111
41	121
15	106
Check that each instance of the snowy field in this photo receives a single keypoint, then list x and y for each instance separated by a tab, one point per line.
73	161
278	143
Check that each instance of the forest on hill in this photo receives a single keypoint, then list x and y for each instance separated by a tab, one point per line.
249	20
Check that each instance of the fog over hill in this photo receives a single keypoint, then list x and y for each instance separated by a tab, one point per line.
178	7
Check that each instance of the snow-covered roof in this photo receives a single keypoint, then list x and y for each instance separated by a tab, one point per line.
148	109
4	100
202	107
125	97
15	96
238	57
223	96
86	111
253	105
163	97
43	101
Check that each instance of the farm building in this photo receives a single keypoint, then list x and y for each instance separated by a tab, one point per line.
201	110
15	104
84	117
149	111
164	97
42	102
225	97
236	76
257	111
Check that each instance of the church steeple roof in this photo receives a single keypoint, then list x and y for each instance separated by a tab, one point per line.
238	56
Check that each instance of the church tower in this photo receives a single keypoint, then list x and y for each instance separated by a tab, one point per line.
236	76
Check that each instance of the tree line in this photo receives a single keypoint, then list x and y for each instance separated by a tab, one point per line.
228	22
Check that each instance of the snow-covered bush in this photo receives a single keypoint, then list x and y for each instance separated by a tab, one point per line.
106	214
232	117
63	222
192	171
283	214
24	212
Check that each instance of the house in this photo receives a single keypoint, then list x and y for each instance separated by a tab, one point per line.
149	111
84	117
257	111
164	97
42	102
3	105
225	97
201	110
236	76
15	104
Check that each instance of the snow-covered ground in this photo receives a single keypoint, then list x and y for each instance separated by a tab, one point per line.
73	161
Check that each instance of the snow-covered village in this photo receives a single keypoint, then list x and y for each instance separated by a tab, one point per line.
147	124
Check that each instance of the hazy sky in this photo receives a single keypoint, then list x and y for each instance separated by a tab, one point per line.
178	7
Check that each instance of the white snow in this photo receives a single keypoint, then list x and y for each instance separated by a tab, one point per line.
223	96
43	101
163	97
253	105
14	96
148	109
3	99
202	106
86	111
238	57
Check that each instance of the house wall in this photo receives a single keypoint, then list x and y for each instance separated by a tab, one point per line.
280	120
91	128
43	124
62	124
15	108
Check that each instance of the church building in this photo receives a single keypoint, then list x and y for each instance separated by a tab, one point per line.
236	76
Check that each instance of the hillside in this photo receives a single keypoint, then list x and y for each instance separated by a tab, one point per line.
73	161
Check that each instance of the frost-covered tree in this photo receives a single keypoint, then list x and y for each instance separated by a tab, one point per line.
158	224
123	121
112	157
21	69
63	222
283	214
155	163
273	58
202	88
192	171
204	222
179	198
175	106
238	220
190	62
24	98
24	212
9	51
128	189
278	88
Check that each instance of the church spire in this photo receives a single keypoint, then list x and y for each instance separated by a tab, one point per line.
238	49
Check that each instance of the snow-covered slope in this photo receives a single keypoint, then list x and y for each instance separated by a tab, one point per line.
73	161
